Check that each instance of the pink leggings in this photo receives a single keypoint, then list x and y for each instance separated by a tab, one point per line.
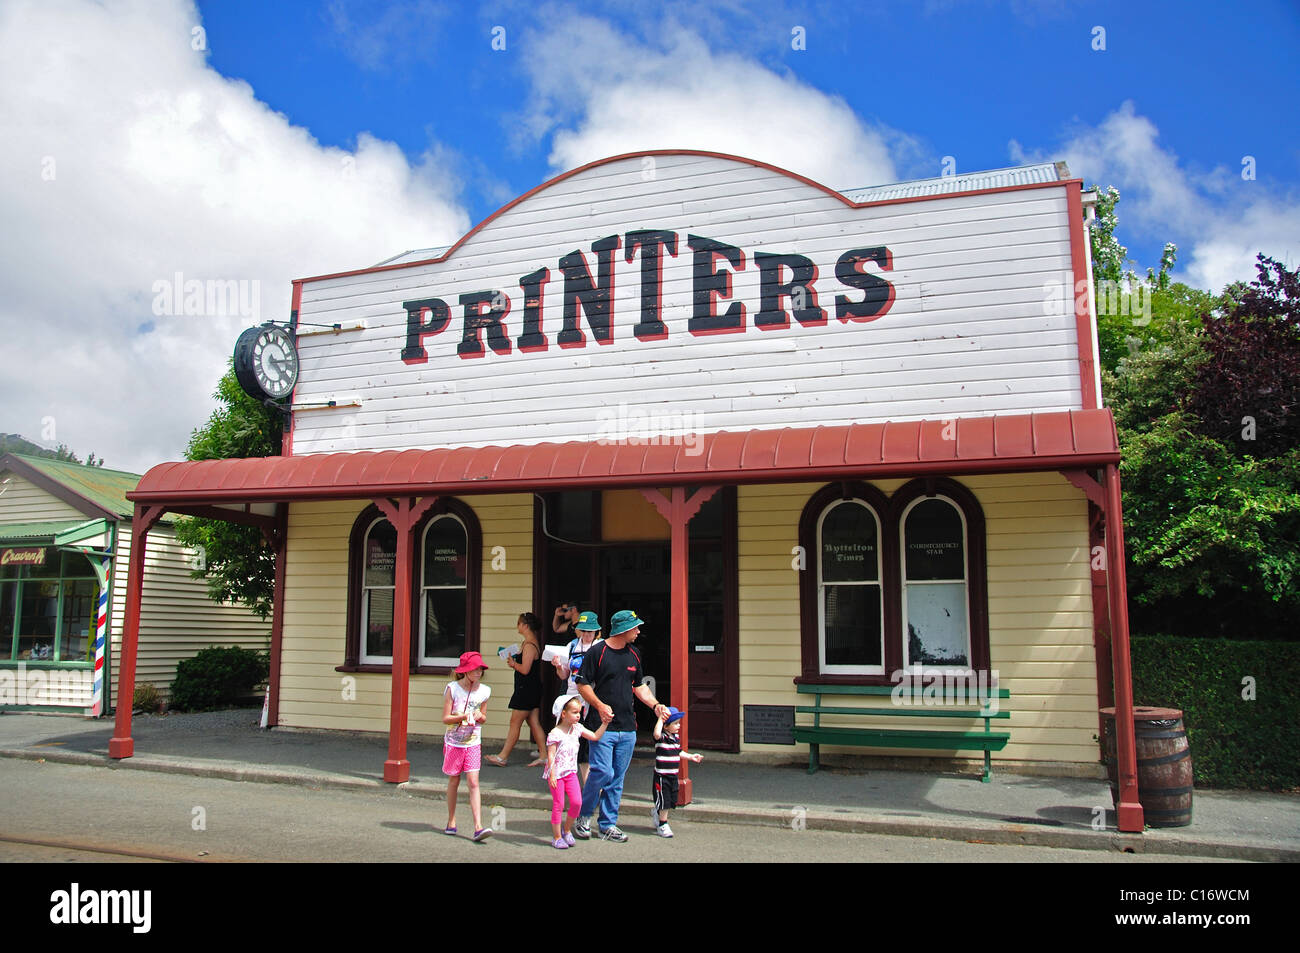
566	785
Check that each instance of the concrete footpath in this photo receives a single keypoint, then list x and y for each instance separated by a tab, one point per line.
850	797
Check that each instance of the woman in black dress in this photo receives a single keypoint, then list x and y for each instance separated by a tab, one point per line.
526	702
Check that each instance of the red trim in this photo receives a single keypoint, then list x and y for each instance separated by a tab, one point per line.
286	438
1128	806
404	514
682	152
740	475
1100	615
1090	487
1065	440
1079	252
122	745
680	509
281	536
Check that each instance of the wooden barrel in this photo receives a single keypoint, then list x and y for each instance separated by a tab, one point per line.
1164	765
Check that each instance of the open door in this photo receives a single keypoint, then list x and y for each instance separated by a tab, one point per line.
611	549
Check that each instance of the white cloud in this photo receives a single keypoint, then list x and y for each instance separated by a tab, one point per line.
602	92
128	160
380	38
1227	251
1219	221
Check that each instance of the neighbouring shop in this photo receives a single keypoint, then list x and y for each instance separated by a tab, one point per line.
64	530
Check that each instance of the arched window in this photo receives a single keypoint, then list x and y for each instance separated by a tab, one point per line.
934	600
445	590
891	582
845	570
378	588
850	606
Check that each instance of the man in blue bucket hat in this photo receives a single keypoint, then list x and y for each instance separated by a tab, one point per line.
608	681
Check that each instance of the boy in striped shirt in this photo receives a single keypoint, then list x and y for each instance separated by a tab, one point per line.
668	756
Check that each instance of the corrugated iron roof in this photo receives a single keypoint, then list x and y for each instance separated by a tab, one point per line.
414	254
965	182
105	488
1020	442
45	530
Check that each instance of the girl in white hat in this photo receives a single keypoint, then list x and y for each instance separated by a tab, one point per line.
562	765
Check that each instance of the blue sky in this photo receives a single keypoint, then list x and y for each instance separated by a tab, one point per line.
960	79
152	143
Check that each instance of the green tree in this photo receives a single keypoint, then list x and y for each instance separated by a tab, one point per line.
1109	257
236	561
1133	314
1212	521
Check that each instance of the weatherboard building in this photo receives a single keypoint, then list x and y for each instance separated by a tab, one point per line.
815	439
66	532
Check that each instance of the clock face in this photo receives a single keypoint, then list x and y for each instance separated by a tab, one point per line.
266	358
275	363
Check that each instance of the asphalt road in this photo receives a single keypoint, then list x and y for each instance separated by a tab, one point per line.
69	813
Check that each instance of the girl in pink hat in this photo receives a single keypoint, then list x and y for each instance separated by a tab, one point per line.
464	709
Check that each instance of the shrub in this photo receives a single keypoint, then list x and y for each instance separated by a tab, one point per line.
217	677
146	698
1238	701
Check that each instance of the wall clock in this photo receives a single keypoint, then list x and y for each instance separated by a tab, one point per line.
266	362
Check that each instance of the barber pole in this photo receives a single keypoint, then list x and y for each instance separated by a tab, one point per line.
101	632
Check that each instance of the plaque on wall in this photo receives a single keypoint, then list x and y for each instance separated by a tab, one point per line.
769	724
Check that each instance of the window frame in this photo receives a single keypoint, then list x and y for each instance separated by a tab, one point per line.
890	512
363	657
905	583
445	506
22	578
822	665
423	661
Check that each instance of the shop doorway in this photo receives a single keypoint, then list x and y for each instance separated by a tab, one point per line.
582	553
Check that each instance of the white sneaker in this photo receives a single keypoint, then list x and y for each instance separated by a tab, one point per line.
664	830
613	834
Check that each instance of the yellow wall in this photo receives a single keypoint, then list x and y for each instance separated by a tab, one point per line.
315	612
1040	612
1040	609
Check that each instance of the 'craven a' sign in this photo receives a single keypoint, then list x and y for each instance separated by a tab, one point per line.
699	293
22	557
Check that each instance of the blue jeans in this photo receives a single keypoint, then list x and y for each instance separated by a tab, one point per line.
610	757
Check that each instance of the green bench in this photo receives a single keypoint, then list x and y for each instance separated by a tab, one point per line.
815	735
